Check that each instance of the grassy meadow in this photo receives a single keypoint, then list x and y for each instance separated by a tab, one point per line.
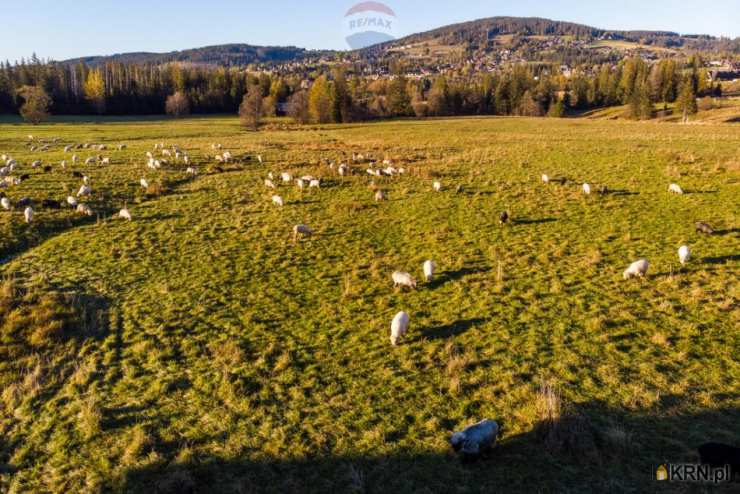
198	349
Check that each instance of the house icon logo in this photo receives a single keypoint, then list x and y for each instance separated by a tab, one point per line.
661	473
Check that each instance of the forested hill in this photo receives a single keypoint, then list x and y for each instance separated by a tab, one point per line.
481	33
224	55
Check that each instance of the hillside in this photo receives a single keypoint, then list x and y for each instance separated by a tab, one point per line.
225	55
531	39
537	39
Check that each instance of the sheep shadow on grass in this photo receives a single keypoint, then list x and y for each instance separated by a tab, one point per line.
442	278
453	329
527	221
728	231
721	259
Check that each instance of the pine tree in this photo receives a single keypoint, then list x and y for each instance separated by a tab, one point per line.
686	102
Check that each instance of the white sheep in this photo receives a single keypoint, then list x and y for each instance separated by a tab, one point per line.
125	214
636	269
675	189
403	279
269	184
587	189
90	160
105	161
475	440
191	171
437	186
429	268
84	209
300	183
277	200
75	159
84	191
379	195
684	254
399	326
72	201
545	179
36	164
5	203
314	184
301	230
28	214
286	177
259	158
144	183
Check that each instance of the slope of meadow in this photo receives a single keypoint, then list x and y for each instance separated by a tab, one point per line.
197	349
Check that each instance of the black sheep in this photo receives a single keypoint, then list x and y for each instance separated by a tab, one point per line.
503	217
50	204
22	203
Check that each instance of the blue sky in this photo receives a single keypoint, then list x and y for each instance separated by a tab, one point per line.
62	29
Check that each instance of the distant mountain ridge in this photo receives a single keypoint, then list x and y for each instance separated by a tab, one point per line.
235	54
477	35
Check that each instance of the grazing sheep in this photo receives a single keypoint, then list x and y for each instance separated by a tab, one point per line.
675	189
277	200
314	184
85	180
5	203
587	189
636	269
399	326
28	214
75	159
459	189
105	161
84	209
47	169
343	170
22	203
125	214
300	183
191	171
121	147
717	455
403	280
684	254
429	268
437	186
50	204
702	227
149	155
63	164
301	230
269	184
286	177
475	441
36	164
72	201
90	160
144	183
503	218
379	195
84	191
259	158
545	179
67	148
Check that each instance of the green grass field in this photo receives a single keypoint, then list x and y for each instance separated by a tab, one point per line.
198	349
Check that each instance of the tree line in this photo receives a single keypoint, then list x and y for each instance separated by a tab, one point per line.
340	95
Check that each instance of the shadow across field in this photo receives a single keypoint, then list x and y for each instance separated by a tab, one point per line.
588	447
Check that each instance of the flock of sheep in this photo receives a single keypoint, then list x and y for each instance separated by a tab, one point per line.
471	442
